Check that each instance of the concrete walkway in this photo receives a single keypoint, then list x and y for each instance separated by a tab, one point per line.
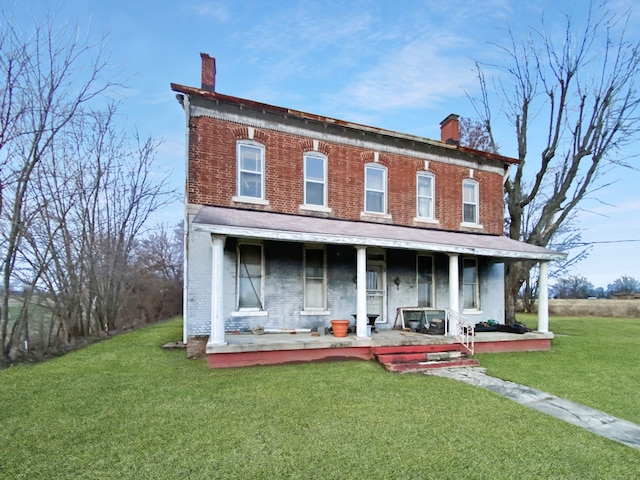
593	420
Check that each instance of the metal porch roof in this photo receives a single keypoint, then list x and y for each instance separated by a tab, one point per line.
298	228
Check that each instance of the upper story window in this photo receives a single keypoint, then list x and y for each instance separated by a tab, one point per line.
425	188
250	168
470	201
315	179
375	187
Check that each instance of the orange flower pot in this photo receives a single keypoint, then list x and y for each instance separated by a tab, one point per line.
340	327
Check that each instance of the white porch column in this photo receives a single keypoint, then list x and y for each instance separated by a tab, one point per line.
217	292
454	293
361	291
543	298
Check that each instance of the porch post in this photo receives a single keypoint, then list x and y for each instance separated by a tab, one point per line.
543	298
217	292
454	293
361	291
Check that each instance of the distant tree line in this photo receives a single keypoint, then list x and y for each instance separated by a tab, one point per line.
577	286
76	195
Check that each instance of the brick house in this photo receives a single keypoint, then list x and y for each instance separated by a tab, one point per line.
294	219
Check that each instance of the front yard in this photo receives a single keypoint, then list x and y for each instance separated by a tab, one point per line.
125	408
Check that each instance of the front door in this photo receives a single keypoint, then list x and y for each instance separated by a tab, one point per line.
376	290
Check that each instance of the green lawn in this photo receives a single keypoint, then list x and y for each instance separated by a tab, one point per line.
125	408
593	361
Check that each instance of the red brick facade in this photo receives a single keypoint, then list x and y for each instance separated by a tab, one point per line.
212	177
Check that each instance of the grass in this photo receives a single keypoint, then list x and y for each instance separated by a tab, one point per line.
125	408
593	361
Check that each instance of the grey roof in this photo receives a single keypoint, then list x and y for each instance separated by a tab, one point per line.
298	228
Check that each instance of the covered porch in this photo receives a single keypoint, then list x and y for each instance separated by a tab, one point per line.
351	243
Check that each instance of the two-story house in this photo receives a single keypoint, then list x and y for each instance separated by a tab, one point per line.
294	219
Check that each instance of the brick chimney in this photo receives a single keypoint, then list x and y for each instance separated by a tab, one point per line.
450	130
208	72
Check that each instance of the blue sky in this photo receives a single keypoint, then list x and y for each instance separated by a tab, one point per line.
403	65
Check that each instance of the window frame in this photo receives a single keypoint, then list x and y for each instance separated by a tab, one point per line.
383	169
323	307
431	273
261	306
318	156
240	144
432	178
476	201
475	284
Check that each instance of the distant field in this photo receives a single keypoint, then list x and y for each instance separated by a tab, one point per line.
595	308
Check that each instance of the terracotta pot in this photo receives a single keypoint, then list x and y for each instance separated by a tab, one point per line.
340	327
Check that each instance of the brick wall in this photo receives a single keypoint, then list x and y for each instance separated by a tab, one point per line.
212	177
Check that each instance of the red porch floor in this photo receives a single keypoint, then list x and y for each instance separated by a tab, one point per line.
244	350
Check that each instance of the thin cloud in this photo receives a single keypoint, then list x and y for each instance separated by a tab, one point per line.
215	10
422	74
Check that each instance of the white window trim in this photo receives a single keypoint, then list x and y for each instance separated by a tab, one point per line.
242	198
310	310
433	279
477	226
476	222
313	206
309	313
475	309
431	217
254	201
427	221
249	311
376	166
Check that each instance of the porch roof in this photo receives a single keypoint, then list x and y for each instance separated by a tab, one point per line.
298	228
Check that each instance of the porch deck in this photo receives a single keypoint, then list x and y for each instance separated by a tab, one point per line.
268	349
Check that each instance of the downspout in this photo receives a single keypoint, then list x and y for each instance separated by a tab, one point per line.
184	101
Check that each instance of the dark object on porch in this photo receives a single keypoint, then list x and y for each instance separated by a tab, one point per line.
372	321
516	328
486	327
435	327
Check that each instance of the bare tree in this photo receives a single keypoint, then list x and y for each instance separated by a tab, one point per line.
76	190
159	274
572	101
474	133
47	75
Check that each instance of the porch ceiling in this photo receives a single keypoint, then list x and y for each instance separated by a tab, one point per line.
298	228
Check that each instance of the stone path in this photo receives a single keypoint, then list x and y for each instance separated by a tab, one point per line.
593	420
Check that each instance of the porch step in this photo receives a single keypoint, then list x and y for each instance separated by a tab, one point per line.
415	367
451	347
417	358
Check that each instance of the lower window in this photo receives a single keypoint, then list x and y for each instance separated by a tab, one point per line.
470	289
315	281
250	275
425	281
